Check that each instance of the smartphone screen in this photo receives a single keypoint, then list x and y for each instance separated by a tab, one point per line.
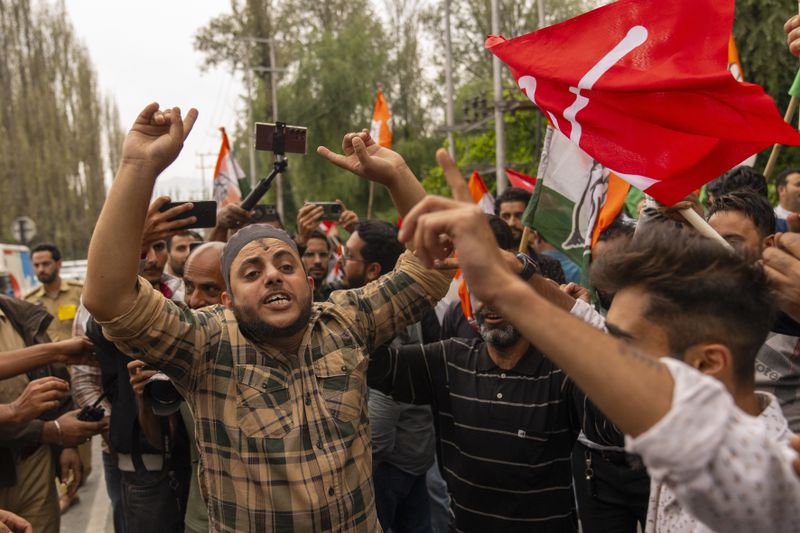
205	211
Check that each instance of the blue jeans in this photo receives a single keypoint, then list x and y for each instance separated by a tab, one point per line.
440	500
401	500
114	490
152	502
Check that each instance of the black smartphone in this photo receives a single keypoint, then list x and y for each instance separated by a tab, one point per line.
330	210
205	211
292	139
264	213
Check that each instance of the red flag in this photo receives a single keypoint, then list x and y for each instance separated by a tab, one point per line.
520	180
643	87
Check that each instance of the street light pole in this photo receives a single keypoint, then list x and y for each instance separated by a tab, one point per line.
499	125
448	81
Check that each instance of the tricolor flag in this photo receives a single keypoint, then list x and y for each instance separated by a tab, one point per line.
520	180
576	198
480	193
381	130
227	174
735	68
734	65
643	87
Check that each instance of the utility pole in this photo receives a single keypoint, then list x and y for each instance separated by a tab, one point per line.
202	166
448	81
499	125
273	71
251	139
540	5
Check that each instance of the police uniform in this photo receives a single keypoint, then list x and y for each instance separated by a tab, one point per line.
63	307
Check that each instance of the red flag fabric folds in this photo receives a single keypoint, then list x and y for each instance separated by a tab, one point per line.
520	180
643	87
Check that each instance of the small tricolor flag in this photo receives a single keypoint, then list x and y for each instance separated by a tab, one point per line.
381	130
480	193
227	174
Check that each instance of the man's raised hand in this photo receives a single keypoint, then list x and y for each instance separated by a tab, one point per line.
437	224
364	157
156	138
157	224
782	266
453	176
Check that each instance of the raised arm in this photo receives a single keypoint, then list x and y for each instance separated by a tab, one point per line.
364	157
154	141
634	390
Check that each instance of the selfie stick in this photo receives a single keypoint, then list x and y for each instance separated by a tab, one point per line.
280	165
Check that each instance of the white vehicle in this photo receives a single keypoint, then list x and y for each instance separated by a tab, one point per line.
17	276
74	269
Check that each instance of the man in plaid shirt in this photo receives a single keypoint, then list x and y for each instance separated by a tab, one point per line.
277	385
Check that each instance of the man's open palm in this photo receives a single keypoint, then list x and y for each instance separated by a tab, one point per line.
156	138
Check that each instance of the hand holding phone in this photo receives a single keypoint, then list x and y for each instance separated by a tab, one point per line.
204	211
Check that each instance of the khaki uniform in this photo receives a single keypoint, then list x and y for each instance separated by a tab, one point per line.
33	497
63	307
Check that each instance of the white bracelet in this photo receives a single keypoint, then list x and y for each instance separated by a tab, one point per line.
60	434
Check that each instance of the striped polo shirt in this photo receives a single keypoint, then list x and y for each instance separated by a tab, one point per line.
504	437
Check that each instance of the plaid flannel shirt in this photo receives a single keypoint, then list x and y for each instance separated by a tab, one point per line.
284	437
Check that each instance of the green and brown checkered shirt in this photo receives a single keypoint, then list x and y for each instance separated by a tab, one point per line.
284	437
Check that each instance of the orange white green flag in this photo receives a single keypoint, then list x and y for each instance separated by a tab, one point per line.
381	130
576	198
227	174
480	193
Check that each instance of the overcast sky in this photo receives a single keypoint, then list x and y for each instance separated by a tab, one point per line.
142	51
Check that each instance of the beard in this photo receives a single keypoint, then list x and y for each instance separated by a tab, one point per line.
501	336
47	278
356	282
258	331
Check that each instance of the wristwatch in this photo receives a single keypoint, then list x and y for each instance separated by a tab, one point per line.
529	266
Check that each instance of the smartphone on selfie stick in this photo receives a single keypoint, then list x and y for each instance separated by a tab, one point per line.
279	139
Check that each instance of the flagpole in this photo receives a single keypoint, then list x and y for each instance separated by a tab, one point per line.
776	149
703	227
526	238
795	92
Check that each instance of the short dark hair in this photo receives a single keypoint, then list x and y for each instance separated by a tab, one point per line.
741	177
512	194
618	228
47	247
502	232
183	233
752	205
699	292
780	181
380	243
317	234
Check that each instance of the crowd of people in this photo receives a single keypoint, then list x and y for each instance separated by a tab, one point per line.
249	380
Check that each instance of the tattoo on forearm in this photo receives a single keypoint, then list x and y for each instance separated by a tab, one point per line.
626	350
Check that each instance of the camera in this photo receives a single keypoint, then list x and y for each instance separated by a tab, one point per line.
164	397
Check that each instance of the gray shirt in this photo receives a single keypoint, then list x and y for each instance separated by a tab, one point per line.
777	372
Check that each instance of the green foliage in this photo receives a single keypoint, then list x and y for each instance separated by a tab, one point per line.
54	125
758	30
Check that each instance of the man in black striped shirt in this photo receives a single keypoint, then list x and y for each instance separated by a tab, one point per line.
505	422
